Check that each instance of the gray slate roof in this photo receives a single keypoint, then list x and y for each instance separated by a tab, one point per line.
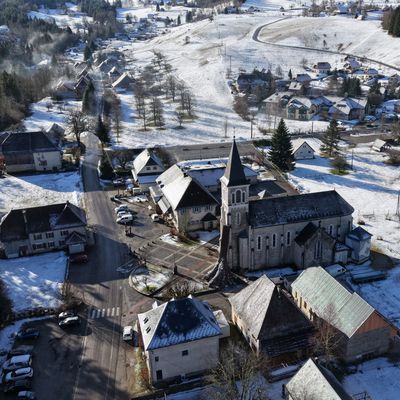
177	321
21	142
298	208
331	301
314	381
359	234
234	174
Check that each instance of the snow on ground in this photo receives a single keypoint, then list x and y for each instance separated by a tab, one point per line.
34	281
36	190
371	188
147	280
43	118
380	378
363	38
206	236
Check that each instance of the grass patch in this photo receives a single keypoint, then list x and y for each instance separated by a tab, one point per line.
338	172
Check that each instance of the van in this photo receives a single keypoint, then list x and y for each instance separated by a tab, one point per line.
155	217
22	361
125	219
336	270
127	334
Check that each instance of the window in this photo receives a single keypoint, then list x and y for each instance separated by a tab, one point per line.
274	240
288	238
154	168
148	329
185	353
305	305
238	218
146	320
243	197
196	209
156	359
37	236
64	233
51	245
331	229
207	208
233	198
61	243
317	249
349	226
258	243
49	235
159	374
238	195
39	246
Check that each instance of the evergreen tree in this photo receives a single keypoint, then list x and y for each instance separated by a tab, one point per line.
189	16
106	171
330	140
281	153
178	21
102	130
89	99
290	75
87	53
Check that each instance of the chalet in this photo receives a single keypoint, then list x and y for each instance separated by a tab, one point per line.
42	229
348	108
247	82
351	65
297	88
322	68
269	320
65	89
276	102
305	79
302	150
29	151
81	85
361	331
313	381
300	108
125	81
180	338
146	168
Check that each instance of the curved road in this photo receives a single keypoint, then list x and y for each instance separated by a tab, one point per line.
257	31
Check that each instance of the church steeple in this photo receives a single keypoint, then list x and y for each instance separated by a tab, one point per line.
234	173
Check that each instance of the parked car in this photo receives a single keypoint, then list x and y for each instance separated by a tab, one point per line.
20	350
115	199
336	270
127	334
26	394
118	182
18	386
19	374
16	362
78	258
122	207
69	321
123	212
66	314
26	334
125	219
139	199
155	217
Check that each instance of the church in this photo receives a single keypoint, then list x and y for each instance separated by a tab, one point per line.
301	230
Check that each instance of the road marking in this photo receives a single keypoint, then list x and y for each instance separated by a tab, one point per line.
103	313
112	311
117	311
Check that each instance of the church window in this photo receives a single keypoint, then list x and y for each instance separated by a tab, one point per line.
349	226
238	195
243	197
331	229
338	231
274	240
288	239
258	243
233	198
238	218
317	249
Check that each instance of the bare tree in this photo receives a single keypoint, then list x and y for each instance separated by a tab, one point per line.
77	123
180	289
171	86
116	117
188	102
179	116
157	111
141	105
237	375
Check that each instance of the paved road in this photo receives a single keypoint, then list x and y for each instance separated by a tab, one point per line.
256	38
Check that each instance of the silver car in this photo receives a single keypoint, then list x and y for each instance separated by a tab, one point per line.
19	374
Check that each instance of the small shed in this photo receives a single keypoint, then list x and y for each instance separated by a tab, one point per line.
359	240
380	145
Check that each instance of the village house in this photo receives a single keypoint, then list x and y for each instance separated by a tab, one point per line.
351	65
302	230
29	151
348	108
275	103
300	108
365	74
146	169
304	79
313	381
380	145
34	230
269	320
180	338
322	68
359	241
302	150
125	81
297	88
361	331
247	82
81	85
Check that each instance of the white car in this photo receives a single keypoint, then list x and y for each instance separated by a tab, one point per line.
127	334
17	362
18	374
26	394
66	314
122	213
125	219
70	321
122	207
140	199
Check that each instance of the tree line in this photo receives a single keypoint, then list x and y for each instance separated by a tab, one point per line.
391	21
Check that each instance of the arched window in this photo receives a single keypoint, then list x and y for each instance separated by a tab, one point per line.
238	195
243	197
233	198
238	218
258	243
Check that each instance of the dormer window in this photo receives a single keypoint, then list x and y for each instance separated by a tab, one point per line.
146	320
148	329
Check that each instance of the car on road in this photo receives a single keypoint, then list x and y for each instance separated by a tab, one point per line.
66	314
26	394
127	334
17	386
26	334
19	374
80	258
69	321
125	219
16	362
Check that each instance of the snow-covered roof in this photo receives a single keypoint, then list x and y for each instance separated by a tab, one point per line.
177	321
123	81
331	301
297	143
144	159
359	233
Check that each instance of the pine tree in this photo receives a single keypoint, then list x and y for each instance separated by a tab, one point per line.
330	140
102	130
290	74
89	99
87	53
178	21
281	153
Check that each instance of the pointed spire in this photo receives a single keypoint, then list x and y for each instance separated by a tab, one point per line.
234	173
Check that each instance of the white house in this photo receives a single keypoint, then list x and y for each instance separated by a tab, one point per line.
302	150
180	338
146	168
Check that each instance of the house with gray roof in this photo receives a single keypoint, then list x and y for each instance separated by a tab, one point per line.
301	230
180	338
29	151
362	332
315	382
35	230
269	320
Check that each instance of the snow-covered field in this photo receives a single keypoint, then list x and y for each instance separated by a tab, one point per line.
35	190
34	281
